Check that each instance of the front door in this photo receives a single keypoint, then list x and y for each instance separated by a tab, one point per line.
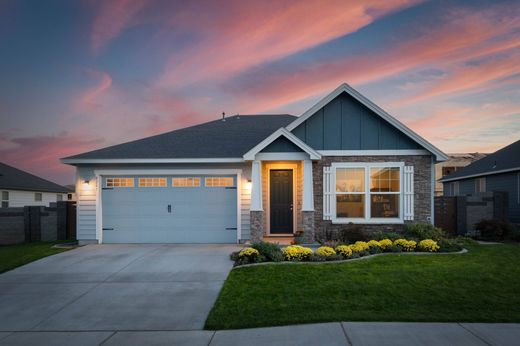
281	201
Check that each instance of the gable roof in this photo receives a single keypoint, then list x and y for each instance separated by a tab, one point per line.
250	155
216	140
504	160
12	178
345	88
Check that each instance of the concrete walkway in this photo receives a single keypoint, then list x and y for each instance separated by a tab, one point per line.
346	333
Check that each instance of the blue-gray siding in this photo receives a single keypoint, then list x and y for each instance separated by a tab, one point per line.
346	124
509	182
282	145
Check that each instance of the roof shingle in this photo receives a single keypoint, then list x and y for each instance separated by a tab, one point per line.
12	178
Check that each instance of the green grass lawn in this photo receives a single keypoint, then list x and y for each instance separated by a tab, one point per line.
12	256
482	285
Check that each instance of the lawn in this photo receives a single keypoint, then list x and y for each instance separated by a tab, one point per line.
12	256
482	285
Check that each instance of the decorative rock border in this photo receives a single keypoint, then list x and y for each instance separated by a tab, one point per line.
463	251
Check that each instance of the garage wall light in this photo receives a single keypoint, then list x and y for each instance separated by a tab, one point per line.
249	184
86	185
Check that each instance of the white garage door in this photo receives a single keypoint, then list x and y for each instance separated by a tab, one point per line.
169	209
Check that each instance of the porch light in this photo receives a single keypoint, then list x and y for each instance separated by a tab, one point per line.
249	184
86	185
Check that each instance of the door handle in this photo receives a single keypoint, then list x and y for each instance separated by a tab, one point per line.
169	208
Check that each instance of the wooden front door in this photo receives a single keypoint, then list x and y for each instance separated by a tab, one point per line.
281	201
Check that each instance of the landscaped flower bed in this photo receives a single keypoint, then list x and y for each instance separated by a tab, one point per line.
268	252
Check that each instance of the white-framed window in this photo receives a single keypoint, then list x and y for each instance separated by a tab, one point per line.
120	182
480	185
185	182
5	199
37	196
59	197
152	182
455	188
367	192
219	181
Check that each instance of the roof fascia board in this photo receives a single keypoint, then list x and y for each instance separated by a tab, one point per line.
440	156
184	160
445	180
250	155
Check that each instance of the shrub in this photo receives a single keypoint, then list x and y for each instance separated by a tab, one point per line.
344	250
405	245
246	256
428	245
385	244
325	251
390	235
360	248
249	252
448	245
270	251
422	231
314	257
494	230
296	253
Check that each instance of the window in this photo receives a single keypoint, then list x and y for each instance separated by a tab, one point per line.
152	182
368	191
120	182
448	170
480	185
69	196
37	197
59	197
219	181
5	199
185	182
455	188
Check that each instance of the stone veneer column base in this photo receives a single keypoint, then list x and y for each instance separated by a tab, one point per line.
257	225
308	226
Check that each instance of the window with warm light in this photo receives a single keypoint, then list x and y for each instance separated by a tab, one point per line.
219	181
152	182
185	182
120	182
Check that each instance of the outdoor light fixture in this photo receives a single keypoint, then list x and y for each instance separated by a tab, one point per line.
86	185
248	184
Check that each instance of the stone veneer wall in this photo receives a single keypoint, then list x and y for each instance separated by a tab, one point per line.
257	225
422	193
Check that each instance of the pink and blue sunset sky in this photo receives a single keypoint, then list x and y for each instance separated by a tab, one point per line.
80	75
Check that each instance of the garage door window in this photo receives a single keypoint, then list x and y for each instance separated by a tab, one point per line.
219	181
120	182
152	182
185	182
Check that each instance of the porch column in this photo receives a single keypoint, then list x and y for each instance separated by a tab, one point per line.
256	186
308	193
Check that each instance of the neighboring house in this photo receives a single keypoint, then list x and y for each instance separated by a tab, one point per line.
499	171
19	188
453	164
343	161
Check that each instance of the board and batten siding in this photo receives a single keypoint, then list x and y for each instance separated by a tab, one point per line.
346	124
86	198
18	198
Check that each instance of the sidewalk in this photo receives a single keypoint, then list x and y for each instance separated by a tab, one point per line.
346	333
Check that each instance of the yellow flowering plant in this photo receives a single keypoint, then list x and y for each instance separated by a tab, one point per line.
359	246
429	245
374	243
405	245
248	252
296	253
385	244
344	250
325	251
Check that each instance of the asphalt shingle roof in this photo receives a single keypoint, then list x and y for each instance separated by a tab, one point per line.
231	138
504	159
15	179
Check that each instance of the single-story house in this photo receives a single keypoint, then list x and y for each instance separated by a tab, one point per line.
499	171
241	178
19	188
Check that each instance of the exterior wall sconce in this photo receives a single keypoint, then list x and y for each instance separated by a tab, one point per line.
248	184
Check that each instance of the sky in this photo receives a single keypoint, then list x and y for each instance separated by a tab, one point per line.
80	75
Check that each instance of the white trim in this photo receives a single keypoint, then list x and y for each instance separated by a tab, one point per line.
444	180
282	156
308	187
367	219
294	168
251	154
186	160
99	182
440	156
397	152
256	186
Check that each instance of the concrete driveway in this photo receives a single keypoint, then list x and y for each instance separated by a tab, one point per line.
115	287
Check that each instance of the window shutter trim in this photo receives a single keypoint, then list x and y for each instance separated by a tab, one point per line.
408	193
327	193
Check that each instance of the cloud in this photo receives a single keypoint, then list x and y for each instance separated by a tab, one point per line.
112	17
88	99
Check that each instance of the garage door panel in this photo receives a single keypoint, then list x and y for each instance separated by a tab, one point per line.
198	214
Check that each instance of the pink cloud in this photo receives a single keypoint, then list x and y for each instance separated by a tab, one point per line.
112	17
103	83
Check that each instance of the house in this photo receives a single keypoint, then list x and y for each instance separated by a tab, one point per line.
240	178
454	163
19	188
499	171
